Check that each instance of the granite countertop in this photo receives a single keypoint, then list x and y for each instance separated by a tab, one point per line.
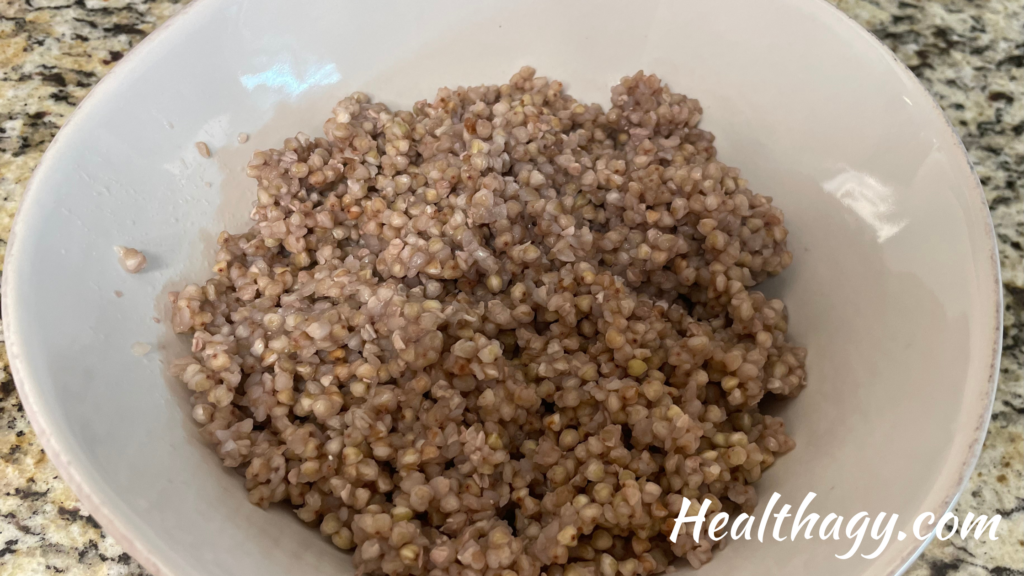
969	54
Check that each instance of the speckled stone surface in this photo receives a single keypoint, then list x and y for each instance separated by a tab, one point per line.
970	55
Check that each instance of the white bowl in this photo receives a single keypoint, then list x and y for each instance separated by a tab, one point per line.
894	287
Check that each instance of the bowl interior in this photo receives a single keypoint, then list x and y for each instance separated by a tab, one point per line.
893	288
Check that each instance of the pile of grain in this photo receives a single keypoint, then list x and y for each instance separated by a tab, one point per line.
505	332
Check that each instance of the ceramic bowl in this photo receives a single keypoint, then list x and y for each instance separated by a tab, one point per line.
894	287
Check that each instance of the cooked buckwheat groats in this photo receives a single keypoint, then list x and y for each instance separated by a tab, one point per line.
502	333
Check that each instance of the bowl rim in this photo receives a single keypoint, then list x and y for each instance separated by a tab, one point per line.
145	552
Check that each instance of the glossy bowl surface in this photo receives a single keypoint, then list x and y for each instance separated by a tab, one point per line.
894	286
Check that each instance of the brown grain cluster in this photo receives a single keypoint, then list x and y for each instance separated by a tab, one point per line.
502	333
